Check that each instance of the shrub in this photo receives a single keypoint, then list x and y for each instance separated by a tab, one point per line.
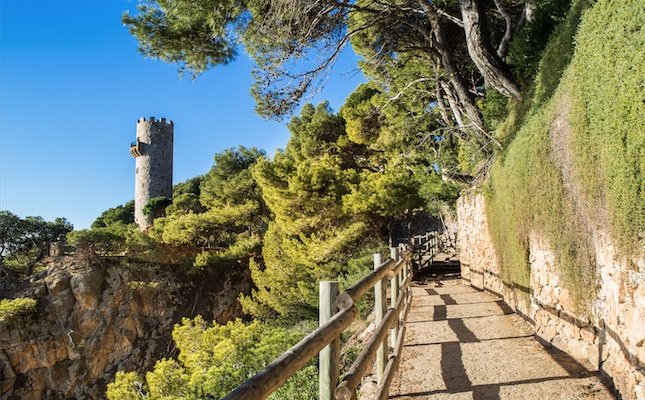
12	308
117	239
214	359
156	206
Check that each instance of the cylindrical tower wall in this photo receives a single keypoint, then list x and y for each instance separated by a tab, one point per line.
153	151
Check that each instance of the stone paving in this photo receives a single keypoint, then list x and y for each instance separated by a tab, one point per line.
462	343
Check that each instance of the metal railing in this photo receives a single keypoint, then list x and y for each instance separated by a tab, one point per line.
337	312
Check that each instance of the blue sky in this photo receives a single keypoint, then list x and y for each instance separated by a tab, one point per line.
72	86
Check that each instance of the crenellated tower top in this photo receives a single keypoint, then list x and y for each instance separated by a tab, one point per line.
152	120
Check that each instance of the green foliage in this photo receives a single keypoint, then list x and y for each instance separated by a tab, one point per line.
287	283
579	150
162	28
363	118
525	51
12	308
330	196
333	192
126	386
123	213
106	240
494	108
185	197
228	218
156	206
214	359
185	203
558	53
384	194
437	193
607	93
115	239
191	186
244	247
25	241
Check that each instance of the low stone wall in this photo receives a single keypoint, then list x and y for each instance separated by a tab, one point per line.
612	341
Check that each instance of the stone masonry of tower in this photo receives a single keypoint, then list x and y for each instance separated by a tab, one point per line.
153	153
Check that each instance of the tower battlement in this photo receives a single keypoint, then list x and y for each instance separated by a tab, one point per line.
153	120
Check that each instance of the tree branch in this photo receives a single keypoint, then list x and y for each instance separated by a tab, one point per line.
502	49
495	72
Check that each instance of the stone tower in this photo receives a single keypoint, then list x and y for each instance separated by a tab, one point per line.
153	151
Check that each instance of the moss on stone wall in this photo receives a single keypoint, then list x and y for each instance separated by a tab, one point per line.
576	162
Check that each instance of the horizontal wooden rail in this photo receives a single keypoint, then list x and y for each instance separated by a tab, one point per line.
397	268
426	247
279	371
353	377
351	295
383	388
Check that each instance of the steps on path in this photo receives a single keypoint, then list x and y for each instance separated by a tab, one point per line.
462	343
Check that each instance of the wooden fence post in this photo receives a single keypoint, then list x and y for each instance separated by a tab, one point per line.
404	273
394	293
379	311
329	357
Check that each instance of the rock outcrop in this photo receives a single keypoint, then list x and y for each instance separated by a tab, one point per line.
96	316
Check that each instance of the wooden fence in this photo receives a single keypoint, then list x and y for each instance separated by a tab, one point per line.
337	311
425	247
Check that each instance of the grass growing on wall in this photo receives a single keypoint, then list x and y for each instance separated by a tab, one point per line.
606	84
576	159
527	196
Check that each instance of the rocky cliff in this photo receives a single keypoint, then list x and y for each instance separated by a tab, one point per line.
99	315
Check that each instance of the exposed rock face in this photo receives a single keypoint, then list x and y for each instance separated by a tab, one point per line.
611	341
96	316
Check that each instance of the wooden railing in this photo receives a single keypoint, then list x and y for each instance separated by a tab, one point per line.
425	247
337	311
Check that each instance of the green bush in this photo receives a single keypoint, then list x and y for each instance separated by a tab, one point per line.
214	359
526	49
156	205
117	239
12	308
126	386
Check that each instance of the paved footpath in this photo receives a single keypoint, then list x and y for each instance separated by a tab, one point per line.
465	344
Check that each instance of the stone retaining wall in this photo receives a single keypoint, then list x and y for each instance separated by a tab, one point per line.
612	341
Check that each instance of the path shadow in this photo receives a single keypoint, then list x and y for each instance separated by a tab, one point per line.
453	371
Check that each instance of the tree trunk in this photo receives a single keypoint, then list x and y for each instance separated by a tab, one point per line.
495	72
449	66
32	264
502	49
